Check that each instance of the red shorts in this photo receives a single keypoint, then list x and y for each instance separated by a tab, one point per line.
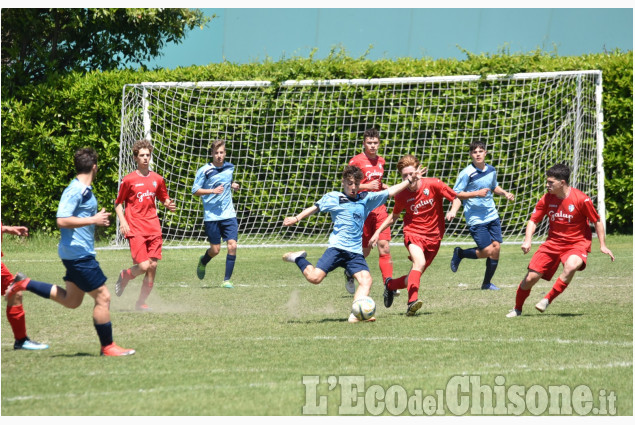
372	223
548	258
142	248
7	278
430	248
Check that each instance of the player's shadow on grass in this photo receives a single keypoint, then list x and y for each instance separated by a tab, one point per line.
308	322
76	355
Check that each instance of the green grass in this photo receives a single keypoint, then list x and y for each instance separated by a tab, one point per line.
205	350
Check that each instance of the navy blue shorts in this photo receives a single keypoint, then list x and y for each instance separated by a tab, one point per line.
85	273
486	233
335	257
227	229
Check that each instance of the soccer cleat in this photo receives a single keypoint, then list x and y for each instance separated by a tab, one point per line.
28	344
114	350
456	260
350	282
227	284
542	305
353	319
121	284
389	295
413	307
514	313
142	307
19	284
200	268
490	286
292	256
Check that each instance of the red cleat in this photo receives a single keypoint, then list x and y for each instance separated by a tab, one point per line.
19	284
114	350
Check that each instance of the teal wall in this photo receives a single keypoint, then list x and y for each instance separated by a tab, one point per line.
248	35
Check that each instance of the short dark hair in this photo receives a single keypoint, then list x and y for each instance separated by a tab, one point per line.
354	172
141	144
560	172
371	133
84	160
215	145
477	144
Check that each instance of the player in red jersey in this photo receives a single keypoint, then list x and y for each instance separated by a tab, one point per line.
424	227
140	223
15	311
568	242
372	166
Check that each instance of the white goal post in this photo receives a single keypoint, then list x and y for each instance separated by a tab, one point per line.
290	141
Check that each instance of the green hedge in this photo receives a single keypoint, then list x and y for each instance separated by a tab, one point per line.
43	125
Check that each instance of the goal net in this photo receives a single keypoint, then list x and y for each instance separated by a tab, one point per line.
290	141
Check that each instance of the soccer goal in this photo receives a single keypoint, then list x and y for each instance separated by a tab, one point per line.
290	141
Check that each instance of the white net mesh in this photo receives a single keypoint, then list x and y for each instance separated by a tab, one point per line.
290	142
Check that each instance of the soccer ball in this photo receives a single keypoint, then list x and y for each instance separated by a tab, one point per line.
363	308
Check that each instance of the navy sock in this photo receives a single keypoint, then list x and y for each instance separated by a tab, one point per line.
468	253
303	263
229	266
42	289
490	269
104	331
206	258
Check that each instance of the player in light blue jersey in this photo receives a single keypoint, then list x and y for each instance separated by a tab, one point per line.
475	187
349	209
77	217
214	184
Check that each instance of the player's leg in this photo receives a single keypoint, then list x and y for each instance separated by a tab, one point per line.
153	252
572	262
414	278
16	316
140	260
543	265
212	231
492	253
312	274
103	325
229	231
478	232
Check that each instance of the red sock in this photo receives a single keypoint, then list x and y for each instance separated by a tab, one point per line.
385	265
521	296
15	314
127	274
146	288
414	278
557	289
398	283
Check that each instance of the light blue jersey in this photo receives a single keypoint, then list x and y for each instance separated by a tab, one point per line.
217	206
478	210
77	201
348	217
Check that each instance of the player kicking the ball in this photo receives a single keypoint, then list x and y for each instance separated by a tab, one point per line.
140	223
349	208
568	242
424	226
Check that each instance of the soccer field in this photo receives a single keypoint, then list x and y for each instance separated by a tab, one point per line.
277	345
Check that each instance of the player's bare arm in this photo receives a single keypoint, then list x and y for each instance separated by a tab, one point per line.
290	221
529	233
454	209
102	218
123	223
481	193
235	186
215	191
599	230
169	204
417	175
499	191
387	223
16	230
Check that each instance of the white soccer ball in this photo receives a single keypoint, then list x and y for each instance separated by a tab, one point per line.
363	308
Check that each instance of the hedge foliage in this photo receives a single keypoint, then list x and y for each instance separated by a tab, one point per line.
42	125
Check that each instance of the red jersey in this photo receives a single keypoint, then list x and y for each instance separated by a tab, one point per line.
138	194
568	218
373	169
424	208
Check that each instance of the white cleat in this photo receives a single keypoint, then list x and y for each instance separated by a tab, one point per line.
292	256
514	313
542	305
353	319
396	293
